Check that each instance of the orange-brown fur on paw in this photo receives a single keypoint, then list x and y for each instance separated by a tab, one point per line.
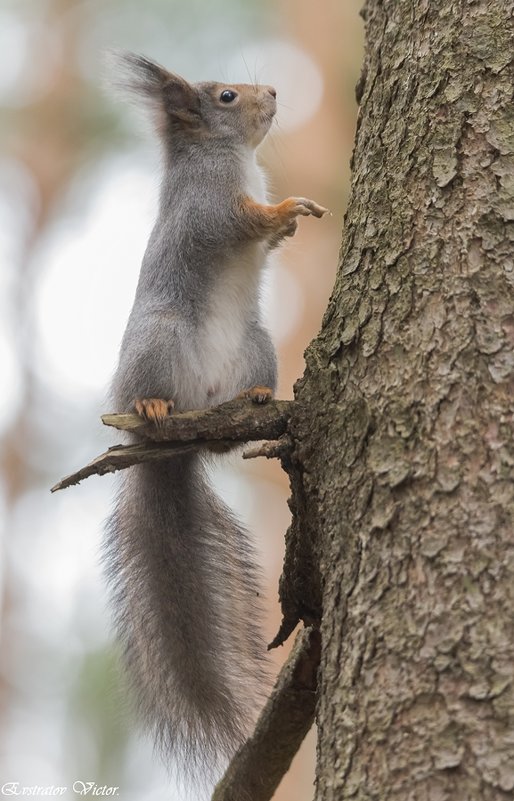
278	221
257	394
289	209
155	410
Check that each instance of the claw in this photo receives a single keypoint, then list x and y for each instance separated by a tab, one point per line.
257	394
155	410
307	207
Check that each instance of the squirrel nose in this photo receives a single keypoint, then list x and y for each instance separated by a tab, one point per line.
272	91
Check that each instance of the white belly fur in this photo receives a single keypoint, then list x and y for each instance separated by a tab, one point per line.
218	359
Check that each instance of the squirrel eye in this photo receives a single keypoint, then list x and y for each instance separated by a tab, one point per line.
227	96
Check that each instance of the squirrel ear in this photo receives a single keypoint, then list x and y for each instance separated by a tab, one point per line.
181	101
162	90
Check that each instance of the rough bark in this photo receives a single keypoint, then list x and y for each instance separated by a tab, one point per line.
404	473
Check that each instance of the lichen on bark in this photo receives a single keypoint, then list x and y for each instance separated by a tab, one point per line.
404	424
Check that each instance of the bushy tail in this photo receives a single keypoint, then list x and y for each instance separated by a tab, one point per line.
185	598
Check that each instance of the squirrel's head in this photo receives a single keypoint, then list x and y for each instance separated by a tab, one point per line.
238	113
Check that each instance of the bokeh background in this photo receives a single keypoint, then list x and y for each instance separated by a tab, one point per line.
78	188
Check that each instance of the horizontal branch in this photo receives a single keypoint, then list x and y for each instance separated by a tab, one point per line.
217	429
259	765
237	420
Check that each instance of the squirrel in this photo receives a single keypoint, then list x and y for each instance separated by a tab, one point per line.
181	567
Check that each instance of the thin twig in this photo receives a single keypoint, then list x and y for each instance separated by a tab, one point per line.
272	449
122	456
259	765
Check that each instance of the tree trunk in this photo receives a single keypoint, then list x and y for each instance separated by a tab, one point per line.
405	467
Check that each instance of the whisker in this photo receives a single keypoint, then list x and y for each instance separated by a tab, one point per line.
272	136
248	71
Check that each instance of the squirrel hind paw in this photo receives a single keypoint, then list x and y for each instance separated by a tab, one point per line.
257	394
154	410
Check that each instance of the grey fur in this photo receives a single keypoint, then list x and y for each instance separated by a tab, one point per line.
184	585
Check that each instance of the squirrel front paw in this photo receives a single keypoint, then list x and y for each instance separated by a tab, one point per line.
275	222
287	212
154	410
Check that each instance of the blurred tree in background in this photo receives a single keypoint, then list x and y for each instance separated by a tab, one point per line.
78	187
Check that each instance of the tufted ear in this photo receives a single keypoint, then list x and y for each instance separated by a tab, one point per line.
181	100
169	95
